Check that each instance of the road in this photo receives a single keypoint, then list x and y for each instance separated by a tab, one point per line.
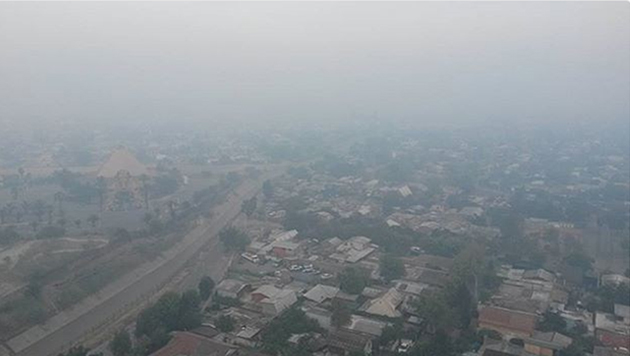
62	330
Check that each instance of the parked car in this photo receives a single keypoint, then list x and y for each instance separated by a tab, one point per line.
326	276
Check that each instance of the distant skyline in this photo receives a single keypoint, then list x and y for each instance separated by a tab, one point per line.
278	63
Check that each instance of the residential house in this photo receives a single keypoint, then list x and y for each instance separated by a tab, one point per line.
353	250
321	293
271	300
190	344
546	343
231	288
344	342
612	331
385	305
507	322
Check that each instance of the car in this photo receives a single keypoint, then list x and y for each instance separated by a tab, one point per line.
308	270
326	276
404	346
295	268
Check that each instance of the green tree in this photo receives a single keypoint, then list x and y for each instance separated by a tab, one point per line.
205	287
435	311
189	316
352	280
93	219
552	322
249	206
340	315
121	344
225	323
233	239
267	189
391	267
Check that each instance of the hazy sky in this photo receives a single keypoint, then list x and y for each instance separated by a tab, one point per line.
247	62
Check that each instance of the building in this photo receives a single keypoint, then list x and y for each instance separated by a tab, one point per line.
353	250
231	288
612	331
271	300
343	342
189	344
321	293
546	343
507	322
385	305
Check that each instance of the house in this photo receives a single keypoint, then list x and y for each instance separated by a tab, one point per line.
190	344
612	331
540	275
321	293
614	279
546	343
506	321
353	250
385	305
343	342
363	325
271	300
322	316
623	312
248	325
231	288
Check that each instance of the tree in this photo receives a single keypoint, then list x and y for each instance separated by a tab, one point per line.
352	280
189	316
233	239
552	322
121	344
267	189
101	186
249	206
93	219
8	236
435	310
50	232
340	315
391	267
225	323
206	285
77	223
76	351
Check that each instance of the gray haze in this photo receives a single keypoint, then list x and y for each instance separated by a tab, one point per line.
301	62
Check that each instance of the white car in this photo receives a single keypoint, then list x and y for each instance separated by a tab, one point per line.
326	276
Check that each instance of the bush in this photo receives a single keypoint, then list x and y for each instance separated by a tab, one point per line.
50	232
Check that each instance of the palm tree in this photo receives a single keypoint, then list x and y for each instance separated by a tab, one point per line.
49	211
34	225
10	207
145	190
101	185
26	207
59	196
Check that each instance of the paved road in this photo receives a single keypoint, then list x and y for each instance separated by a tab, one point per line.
62	330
